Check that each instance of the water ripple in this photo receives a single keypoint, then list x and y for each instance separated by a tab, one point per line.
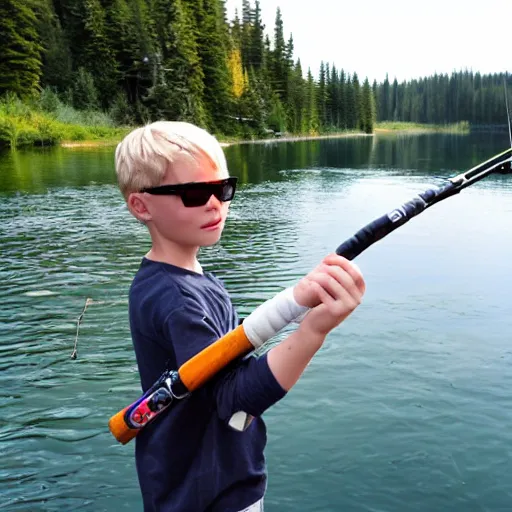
407	402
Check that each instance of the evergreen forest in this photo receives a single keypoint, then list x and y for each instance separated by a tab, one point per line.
142	60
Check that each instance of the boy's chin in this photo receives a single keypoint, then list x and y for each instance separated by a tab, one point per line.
211	239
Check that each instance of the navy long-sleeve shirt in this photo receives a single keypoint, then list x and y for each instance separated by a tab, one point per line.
188	459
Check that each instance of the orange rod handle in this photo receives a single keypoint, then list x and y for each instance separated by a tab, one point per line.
120	430
193	374
203	366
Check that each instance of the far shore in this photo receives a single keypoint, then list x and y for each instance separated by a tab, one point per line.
294	138
88	143
415	129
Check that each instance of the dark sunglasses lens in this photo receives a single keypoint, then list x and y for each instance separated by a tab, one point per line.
196	196
199	196
227	192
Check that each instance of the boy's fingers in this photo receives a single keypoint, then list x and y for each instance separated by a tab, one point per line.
338	284
346	280
336	299
349	267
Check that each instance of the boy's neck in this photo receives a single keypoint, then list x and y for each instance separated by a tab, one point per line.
179	257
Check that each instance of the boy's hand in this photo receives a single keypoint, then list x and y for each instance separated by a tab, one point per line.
332	290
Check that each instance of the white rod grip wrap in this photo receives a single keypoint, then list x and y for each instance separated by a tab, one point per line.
272	316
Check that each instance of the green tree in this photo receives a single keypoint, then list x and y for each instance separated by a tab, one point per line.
20	48
277	115
213	55
279	59
342	101
252	103
384	96
178	78
367	119
322	97
124	38
356	98
311	123
85	25
246	30
56	57
236	31
351	104
393	107
296	98
256	38
333	107
83	91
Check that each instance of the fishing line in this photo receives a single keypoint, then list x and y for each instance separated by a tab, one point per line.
508	111
88	301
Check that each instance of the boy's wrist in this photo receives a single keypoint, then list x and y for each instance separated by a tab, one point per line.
310	335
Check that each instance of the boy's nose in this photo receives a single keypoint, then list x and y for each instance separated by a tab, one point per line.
213	202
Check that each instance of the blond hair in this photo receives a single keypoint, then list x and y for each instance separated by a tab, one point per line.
143	156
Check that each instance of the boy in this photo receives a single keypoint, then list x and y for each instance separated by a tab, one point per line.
175	180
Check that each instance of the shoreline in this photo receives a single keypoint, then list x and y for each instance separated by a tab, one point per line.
88	143
291	138
295	138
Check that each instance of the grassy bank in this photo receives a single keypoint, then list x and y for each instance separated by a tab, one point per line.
49	122
398	126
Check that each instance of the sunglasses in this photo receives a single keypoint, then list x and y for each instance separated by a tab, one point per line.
197	193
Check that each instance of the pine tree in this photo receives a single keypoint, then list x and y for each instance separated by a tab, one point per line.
368	108
256	38
394	101
375	93
351	104
311	125
279	59
85	25
213	55
83	91
246	32
296	95
322	97
252	104
342	101
56	57
124	38
333	107
384	110
357	101
178	79
236	31
20	49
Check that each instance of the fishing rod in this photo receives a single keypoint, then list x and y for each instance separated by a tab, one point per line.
275	314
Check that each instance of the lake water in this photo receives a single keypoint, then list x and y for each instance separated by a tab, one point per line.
407	407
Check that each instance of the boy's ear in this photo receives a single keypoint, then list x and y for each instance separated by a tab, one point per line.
137	206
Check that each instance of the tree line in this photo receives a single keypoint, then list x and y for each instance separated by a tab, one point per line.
442	98
142	60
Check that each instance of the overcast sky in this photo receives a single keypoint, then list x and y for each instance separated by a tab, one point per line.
404	38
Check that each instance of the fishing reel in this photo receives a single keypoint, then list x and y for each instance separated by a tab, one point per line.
158	398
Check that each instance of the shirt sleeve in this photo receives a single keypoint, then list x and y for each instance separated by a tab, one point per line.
247	385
